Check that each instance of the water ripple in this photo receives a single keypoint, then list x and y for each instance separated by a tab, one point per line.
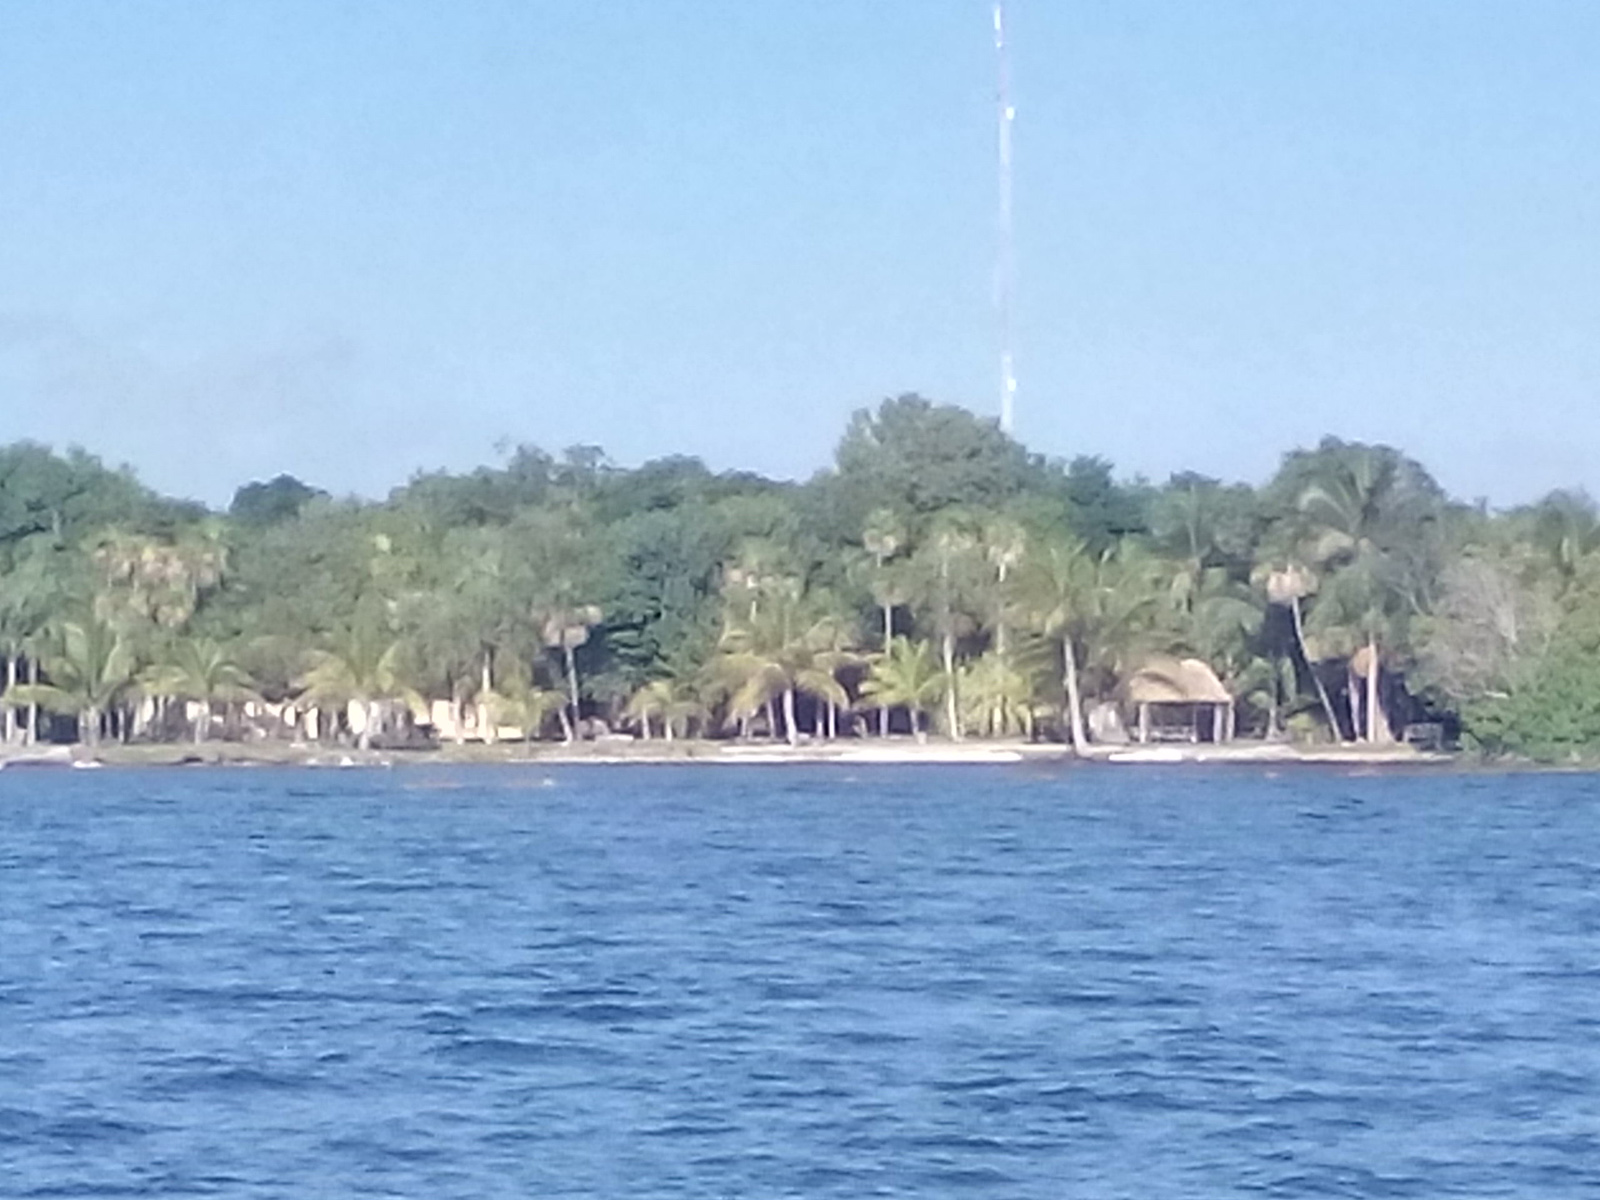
676	983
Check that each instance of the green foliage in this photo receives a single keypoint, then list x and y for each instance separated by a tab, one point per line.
74	495
939	566
918	458
279	499
90	667
1551	712
905	677
1101	512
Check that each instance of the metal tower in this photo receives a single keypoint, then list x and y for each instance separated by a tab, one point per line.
1005	267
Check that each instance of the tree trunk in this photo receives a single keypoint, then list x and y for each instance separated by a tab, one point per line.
1352	696
888	637
202	723
772	720
790	729
11	712
1305	655
1069	661
1001	715
951	709
89	727
572	683
1272	703
1377	723
487	729
33	709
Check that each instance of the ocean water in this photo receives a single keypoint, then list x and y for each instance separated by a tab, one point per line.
813	981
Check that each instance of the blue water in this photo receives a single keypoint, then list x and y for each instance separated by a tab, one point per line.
762	982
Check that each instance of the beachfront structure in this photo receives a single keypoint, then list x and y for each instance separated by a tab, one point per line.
1179	700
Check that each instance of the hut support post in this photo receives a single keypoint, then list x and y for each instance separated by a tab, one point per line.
1218	721
1144	723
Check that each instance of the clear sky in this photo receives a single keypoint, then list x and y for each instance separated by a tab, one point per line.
353	238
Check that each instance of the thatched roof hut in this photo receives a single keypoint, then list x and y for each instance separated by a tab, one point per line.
1184	695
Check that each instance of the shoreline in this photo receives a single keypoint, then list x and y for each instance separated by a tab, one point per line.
867	752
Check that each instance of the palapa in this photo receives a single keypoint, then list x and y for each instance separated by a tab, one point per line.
1165	682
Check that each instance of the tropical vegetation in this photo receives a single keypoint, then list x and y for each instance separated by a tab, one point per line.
939	579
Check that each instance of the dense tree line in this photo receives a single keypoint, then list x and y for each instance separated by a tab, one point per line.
940	577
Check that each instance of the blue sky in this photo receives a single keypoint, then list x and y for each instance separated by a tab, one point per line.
353	238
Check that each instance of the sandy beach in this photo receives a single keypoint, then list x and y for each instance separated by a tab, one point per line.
639	752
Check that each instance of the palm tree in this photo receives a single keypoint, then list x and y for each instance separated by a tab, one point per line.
1287	583
831	637
457	621
1361	504
950	590
1218	618
1053	592
565	628
89	670
201	670
1355	614
367	669
1371	523
996	697
884	537
791	644
907	677
157	580
521	702
648	703
1004	543
28	591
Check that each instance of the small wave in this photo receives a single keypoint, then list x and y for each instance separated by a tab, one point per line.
232	1080
513	1051
587	1014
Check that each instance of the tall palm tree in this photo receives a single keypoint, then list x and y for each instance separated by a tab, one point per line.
1004	543
457	621
1365	517
1053	591
951	588
1287	583
907	677
565	628
90	668
884	537
201	670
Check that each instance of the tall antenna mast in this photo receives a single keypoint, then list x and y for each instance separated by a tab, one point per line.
1005	266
